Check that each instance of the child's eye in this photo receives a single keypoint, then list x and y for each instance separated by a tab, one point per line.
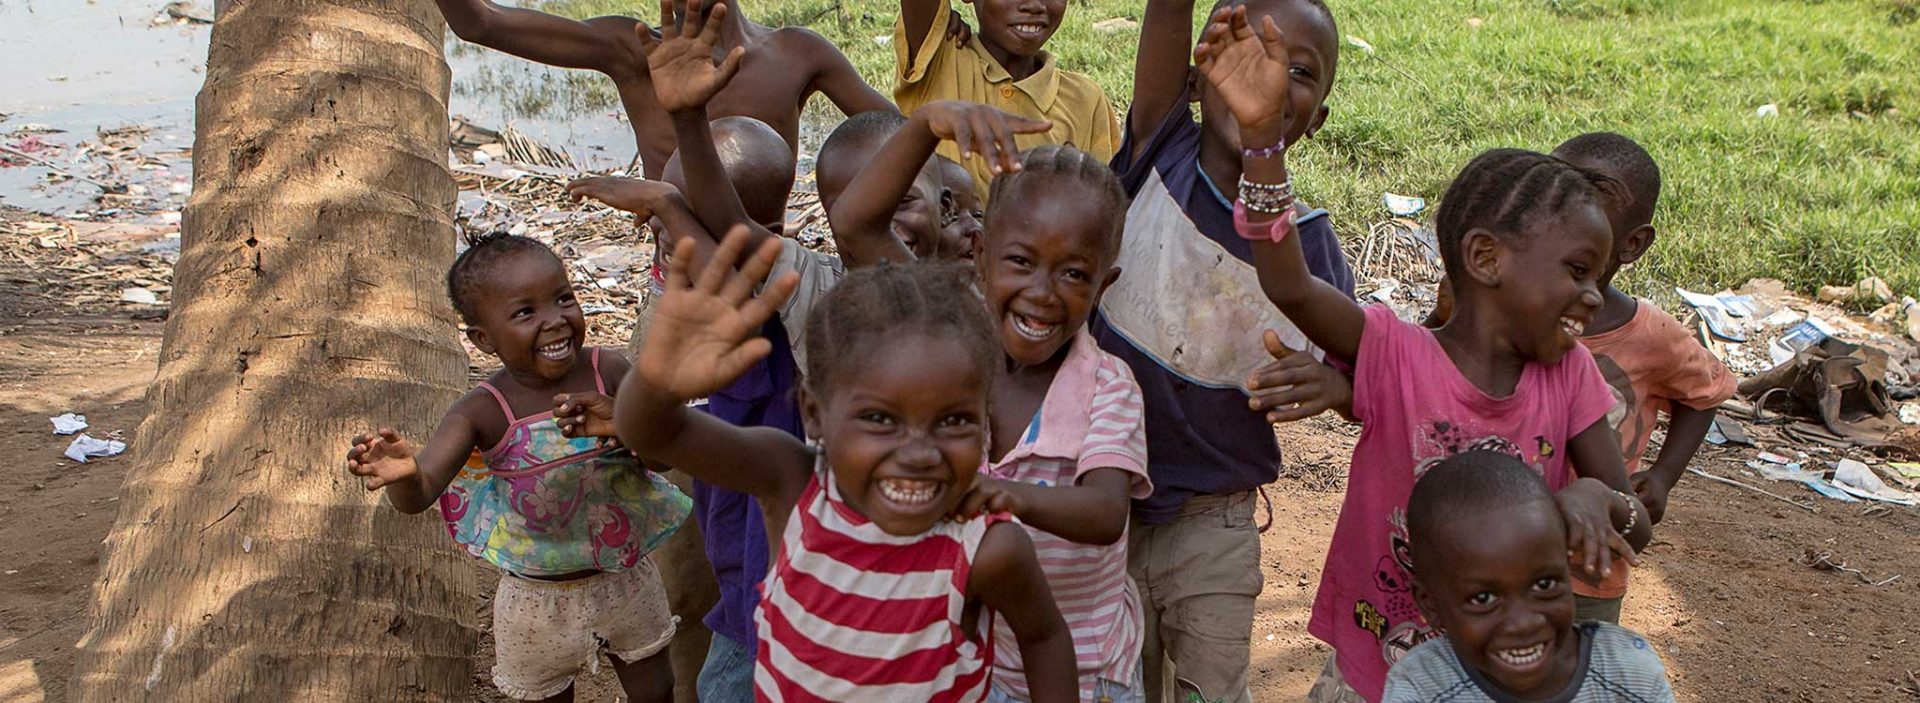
876	417
1019	260
1302	71
1579	270
567	299
1482	599
958	420
1076	274
522	312
1546	583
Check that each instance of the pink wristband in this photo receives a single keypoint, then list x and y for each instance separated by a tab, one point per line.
1275	231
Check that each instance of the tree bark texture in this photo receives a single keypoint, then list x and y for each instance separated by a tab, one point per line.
309	305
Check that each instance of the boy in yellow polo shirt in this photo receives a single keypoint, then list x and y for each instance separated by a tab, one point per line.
1002	64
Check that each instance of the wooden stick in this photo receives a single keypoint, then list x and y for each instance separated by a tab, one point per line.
1756	489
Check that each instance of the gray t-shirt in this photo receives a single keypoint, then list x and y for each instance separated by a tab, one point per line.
1616	666
818	274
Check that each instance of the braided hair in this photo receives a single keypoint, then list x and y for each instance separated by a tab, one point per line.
483	253
1055	164
876	306
1501	190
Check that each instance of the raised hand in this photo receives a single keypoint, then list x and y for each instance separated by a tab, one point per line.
638	196
1296	386
706	330
585	414
685	74
1248	69
382	458
980	130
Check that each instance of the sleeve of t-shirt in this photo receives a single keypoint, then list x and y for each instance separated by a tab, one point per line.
1133	170
1104	142
1117	430
1630	664
1423	674
1376	367
1692	376
1587	393
931	47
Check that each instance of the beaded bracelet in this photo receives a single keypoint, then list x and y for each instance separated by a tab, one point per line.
1267	198
1265	152
1275	231
1633	516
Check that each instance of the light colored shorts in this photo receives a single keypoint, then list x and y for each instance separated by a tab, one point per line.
545	631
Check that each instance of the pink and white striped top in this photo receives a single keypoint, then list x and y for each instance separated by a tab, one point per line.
1091	419
851	613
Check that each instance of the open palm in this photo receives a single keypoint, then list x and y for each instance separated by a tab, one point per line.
706	331
680	61
1248	69
382	458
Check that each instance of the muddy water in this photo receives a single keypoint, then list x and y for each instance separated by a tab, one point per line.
87	65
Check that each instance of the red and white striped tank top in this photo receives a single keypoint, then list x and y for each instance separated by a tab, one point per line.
851	613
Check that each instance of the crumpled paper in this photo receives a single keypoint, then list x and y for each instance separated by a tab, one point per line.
84	447
68	423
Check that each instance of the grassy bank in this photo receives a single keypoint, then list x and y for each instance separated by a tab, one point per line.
1827	191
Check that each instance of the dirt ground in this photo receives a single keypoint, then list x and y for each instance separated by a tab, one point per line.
1723	599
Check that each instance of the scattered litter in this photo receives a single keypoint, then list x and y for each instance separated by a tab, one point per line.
1855	478
1404	205
1475	22
184	12
1726	430
1359	43
1723	313
1116	24
1767	110
1756	489
68	423
139	296
84	447
1824	560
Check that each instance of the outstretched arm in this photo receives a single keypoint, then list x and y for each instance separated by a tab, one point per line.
704	336
648	199
601	44
1007	579
839	80
414	477
917	17
685	79
1685	431
1093	510
1160	68
859	219
1251	74
1598	504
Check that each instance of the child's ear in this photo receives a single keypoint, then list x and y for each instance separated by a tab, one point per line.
1425	602
1481	251
1319	119
1113	274
481	341
809	412
1638	242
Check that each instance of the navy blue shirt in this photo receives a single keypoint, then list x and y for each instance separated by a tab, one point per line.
730	522
1202	440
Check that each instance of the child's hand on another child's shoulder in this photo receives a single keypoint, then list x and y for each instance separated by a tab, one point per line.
991	495
1587	505
382	458
980	131
636	195
1296	386
1249	70
680	61
586	414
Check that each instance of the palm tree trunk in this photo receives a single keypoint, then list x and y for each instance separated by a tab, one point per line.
245	563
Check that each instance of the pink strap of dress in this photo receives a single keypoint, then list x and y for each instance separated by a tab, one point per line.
599	384
502	400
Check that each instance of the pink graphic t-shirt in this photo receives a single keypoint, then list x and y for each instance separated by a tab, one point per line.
1417	410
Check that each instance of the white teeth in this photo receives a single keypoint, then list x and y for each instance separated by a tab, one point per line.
907	491
1031	330
1522	656
1573	326
557	350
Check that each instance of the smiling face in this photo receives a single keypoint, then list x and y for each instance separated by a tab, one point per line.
1503	597
1018	28
1313	52
526	314
961	212
1043	272
1549	279
917	221
906	435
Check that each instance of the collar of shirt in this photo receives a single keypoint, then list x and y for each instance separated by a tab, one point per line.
1043	86
1066	413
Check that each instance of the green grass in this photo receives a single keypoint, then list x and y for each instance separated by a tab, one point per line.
1826	192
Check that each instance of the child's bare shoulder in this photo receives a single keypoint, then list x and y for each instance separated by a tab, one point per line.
799	43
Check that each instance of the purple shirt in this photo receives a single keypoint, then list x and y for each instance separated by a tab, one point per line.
730	522
1202	439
